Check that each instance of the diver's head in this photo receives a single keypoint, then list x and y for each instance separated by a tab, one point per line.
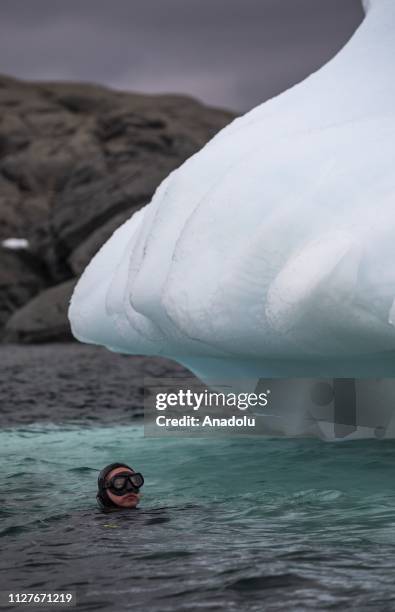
118	487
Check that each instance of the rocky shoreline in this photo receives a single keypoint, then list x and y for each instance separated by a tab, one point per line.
76	161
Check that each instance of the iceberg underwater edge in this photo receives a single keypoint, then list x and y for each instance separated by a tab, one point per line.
269	252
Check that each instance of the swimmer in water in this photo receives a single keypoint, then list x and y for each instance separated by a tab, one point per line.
118	487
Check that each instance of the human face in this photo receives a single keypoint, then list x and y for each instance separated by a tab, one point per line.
129	500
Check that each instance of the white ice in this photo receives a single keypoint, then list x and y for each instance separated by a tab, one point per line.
15	244
271	251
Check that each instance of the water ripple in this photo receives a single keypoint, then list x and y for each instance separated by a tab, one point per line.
290	524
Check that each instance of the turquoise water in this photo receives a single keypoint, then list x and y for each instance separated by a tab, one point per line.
224	523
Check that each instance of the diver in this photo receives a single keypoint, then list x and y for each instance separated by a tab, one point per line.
118	487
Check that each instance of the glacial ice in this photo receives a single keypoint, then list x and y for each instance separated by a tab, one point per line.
271	251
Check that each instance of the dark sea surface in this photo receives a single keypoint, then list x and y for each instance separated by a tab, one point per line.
224	524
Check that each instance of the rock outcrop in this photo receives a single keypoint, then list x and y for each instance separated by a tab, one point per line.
76	161
20	279
44	318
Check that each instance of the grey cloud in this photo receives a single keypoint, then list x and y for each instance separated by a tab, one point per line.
233	53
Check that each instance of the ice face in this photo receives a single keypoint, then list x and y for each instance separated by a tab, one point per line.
270	252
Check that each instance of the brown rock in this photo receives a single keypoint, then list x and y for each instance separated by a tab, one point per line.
44	318
20	279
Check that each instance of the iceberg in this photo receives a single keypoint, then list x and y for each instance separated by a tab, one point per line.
270	252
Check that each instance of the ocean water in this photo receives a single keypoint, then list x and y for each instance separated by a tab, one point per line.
224	524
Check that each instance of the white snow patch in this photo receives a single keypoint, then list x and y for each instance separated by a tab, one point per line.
15	243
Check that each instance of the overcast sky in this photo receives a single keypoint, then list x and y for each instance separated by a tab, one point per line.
231	53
